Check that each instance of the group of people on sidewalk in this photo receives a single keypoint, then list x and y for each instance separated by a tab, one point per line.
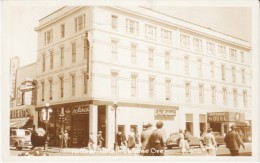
233	140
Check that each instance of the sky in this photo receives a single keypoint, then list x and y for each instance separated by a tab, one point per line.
21	20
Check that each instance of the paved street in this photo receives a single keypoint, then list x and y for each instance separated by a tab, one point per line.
221	151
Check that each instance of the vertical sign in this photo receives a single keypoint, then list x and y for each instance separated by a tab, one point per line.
14	65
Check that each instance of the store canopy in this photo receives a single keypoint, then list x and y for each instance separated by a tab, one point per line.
23	123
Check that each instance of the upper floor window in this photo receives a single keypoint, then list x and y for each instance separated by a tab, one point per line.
132	26
48	36
185	41
223	69
85	83
43	88
51	59
133	54
243	76
43	61
235	97
51	88
73	85
114	83
199	67
242	57
201	93
79	23
151	57
187	91
134	85
62	30
167	60
197	44
151	87
166	36
211	48
73	52
233	55
150	32
168	89
212	69
186	64
114	20
62	56
222	51
224	96
61	87
233	74
114	50
86	48
245	98
213	94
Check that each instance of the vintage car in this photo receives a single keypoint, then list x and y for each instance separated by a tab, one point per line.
172	141
20	138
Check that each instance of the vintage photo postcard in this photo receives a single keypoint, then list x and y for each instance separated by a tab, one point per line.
130	81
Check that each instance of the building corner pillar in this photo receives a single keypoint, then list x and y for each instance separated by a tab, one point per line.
93	121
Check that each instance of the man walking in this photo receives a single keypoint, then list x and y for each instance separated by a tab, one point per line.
157	141
233	141
145	136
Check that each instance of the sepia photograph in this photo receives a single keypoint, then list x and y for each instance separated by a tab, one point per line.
139	80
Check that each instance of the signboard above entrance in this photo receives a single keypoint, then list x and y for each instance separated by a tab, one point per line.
80	110
225	117
164	114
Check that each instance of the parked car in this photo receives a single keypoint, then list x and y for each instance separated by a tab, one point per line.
172	141
20	138
219	138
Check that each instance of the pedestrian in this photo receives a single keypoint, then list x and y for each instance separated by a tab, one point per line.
157	140
131	139
233	141
181	142
66	138
100	140
123	142
210	143
145	136
136	139
91	142
61	136
187	135
119	139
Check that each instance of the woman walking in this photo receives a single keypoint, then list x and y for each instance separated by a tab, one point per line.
182	143
131	139
210	143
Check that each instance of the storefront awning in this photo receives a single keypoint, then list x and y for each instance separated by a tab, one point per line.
21	123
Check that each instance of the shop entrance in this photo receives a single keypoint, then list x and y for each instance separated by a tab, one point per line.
80	130
216	127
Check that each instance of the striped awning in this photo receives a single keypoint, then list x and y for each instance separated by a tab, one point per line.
18	122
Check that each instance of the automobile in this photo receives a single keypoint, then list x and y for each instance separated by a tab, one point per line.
172	141
219	138
20	138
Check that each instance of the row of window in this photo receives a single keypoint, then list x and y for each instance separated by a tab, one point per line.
61	52
61	86
132	27
168	86
79	24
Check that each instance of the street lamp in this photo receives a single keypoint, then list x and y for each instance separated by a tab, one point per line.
115	105
62	120
46	117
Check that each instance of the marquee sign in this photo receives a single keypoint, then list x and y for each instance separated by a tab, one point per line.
164	114
225	117
20	113
27	86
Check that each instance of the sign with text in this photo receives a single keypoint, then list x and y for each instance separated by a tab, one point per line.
20	113
80	110
225	117
164	114
27	86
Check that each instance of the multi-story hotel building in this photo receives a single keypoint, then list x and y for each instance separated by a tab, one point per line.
155	67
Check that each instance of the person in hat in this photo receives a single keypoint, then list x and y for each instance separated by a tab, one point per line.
157	141
233	141
145	136
100	140
210	143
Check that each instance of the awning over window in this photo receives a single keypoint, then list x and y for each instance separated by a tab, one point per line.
23	123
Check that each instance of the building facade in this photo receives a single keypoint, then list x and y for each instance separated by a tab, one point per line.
153	66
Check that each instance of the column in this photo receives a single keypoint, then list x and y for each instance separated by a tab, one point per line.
110	140
93	121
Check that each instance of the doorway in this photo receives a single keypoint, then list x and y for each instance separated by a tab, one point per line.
80	130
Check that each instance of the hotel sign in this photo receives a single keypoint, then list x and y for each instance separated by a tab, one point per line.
225	117
164	114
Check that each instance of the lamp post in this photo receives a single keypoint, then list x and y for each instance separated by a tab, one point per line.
62	120
46	117
115	105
